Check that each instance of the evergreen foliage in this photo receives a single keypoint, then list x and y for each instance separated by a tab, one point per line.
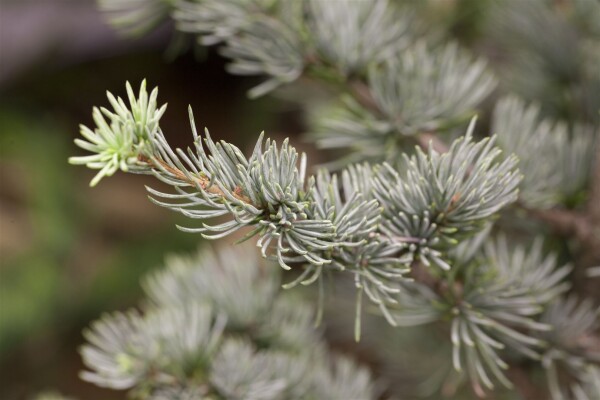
414	228
562	168
374	232
207	331
572	320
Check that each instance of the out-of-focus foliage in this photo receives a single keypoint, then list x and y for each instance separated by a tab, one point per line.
550	54
220	341
422	89
571	358
135	17
555	162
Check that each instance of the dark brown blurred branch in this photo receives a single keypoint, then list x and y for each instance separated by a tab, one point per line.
420	273
426	138
520	376
362	94
593	207
584	226
565	222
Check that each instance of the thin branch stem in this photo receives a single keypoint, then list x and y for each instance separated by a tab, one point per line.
521	378
362	94
593	207
563	221
427	138
203	182
582	225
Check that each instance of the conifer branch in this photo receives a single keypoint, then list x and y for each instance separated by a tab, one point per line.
202	181
369	221
412	230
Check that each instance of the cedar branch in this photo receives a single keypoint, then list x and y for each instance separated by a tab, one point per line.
201	181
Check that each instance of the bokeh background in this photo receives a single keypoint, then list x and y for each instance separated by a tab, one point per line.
68	253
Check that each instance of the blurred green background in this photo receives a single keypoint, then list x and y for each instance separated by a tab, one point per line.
68	252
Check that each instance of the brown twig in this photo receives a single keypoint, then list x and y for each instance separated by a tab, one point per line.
201	181
427	138
589	256
583	226
565	222
421	274
362	94
593	206
520	376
